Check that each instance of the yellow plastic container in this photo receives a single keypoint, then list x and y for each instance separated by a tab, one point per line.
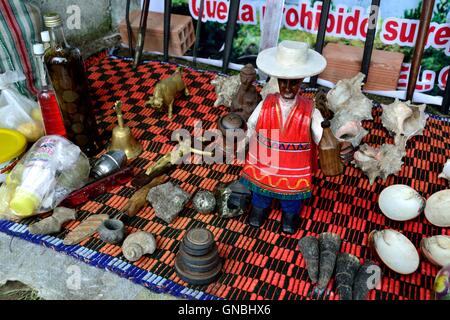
12	146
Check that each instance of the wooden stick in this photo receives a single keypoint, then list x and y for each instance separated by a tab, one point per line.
370	38
425	18
320	40
139	198
445	107
167	16
197	31
233	13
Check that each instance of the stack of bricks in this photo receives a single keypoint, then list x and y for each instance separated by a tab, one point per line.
182	34
344	61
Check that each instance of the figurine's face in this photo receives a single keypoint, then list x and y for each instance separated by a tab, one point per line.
289	87
247	79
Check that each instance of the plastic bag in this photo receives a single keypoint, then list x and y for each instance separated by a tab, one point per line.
52	169
17	112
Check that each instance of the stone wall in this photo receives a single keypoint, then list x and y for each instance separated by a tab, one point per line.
99	21
96	19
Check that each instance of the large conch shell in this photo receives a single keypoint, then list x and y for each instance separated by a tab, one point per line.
347	95
446	171
347	129
226	89
379	162
137	244
436	249
404	119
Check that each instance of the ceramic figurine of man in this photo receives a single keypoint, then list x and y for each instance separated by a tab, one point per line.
247	98
283	133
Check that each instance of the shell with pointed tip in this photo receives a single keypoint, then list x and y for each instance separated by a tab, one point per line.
347	129
329	245
137	244
226	89
309	247
400	202
437	209
395	250
436	249
404	119
347	95
379	162
446	171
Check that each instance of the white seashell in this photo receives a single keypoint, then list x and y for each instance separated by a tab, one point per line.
379	162
436	249
437	209
395	250
347	95
401	203
404	119
446	171
137	244
347	129
226	89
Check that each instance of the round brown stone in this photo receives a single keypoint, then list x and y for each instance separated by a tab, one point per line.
71	107
81	140
70	96
78	127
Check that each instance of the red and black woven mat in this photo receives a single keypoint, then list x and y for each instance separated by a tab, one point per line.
258	263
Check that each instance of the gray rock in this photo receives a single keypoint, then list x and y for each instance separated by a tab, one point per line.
168	201
204	201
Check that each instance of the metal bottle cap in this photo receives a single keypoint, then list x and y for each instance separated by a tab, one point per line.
38	49
52	20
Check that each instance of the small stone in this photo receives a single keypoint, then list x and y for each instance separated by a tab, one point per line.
71	107
70	96
81	140
77	128
168	200
204	201
78	117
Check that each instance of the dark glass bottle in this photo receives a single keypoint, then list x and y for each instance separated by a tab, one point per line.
66	70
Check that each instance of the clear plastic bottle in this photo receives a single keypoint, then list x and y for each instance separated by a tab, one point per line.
66	69
51	114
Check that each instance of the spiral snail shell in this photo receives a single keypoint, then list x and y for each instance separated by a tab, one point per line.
138	244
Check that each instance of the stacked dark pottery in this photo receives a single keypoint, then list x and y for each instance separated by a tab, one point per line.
198	261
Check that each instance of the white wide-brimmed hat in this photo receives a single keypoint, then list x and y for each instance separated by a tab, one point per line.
291	60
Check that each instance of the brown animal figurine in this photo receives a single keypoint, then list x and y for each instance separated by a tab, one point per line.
166	90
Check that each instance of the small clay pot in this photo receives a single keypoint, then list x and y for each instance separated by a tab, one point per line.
112	231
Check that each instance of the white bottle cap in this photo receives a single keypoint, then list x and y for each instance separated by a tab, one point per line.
45	36
38	49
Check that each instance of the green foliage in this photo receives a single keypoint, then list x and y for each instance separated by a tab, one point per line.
179	2
413	13
442	9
